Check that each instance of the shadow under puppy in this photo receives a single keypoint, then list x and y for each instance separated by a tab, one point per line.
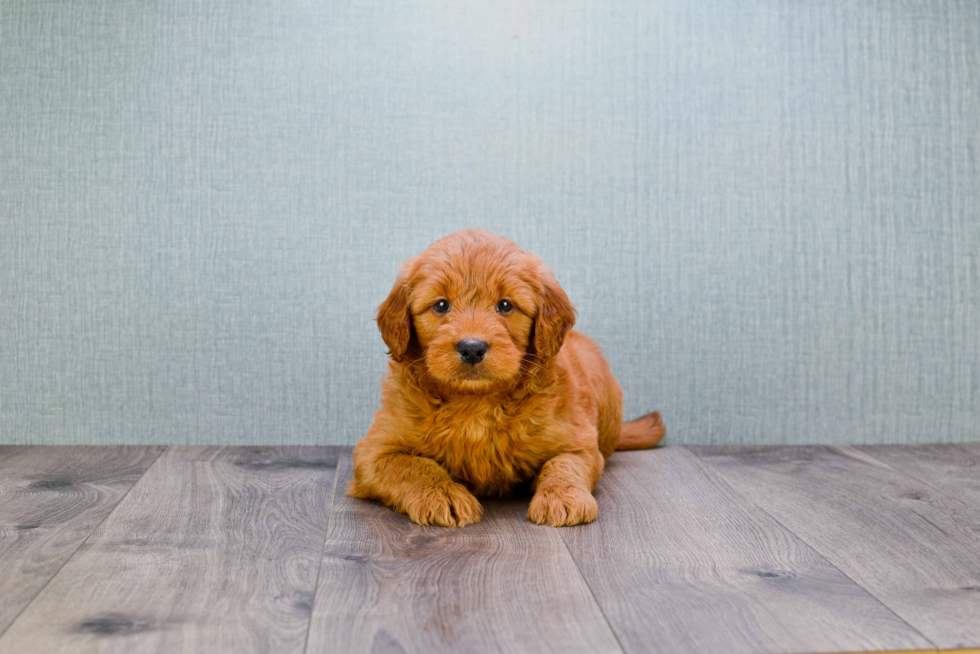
489	388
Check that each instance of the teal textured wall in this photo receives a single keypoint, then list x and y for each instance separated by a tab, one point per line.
766	211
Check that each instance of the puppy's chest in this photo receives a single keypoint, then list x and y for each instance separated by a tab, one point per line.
483	447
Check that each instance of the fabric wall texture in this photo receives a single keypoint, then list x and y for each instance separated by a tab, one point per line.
766	211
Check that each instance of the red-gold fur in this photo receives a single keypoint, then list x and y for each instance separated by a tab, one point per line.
541	407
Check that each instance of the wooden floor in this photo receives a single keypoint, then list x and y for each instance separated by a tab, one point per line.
716	550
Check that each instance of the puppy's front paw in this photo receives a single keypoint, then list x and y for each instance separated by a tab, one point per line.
446	506
562	507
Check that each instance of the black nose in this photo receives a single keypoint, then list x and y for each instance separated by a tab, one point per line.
471	351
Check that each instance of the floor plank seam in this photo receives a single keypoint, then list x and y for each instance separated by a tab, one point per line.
82	544
342	456
585	581
912	475
724	479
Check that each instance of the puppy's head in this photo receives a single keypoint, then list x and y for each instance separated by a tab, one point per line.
472	309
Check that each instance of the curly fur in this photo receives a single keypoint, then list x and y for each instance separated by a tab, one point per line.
542	407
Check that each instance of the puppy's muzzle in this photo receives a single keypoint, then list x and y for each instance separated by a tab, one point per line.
471	351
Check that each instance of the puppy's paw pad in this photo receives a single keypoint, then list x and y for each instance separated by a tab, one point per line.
445	506
562	507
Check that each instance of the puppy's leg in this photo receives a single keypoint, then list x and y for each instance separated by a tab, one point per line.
563	490
413	485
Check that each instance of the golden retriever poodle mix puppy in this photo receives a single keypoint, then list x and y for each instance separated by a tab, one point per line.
489	388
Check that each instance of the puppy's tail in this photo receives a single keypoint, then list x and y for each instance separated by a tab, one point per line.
641	433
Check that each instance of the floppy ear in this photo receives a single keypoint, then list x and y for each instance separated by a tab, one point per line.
395	320
556	315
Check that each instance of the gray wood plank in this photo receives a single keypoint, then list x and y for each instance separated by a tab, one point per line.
680	562
972	448
503	585
214	550
895	536
952	469
51	498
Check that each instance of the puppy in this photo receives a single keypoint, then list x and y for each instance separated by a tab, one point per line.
489	388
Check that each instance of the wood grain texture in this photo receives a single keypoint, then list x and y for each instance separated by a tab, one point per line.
51	498
679	562
503	585
972	448
897	537
214	550
952	469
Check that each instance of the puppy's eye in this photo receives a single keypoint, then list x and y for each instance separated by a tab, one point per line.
442	306
504	306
